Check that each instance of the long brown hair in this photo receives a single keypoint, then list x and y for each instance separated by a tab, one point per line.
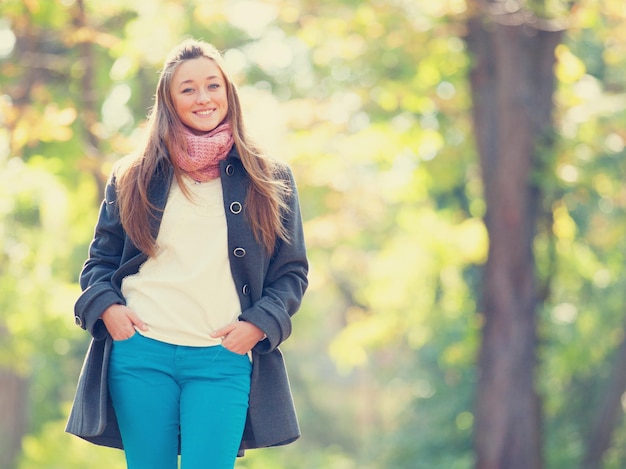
267	193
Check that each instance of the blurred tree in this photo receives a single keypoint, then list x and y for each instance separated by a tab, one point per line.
17	219
512	78
370	104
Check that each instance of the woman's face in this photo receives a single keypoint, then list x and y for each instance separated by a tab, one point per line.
198	92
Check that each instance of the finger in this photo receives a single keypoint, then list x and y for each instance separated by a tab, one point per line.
137	321
223	331
237	350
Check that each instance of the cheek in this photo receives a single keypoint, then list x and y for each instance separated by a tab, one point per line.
183	109
181	103
176	104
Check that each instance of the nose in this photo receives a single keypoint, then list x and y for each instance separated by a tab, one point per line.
203	96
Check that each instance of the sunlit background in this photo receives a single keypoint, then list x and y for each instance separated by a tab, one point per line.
369	102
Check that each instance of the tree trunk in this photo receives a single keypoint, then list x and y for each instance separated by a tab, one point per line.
89	110
13	392
512	82
608	414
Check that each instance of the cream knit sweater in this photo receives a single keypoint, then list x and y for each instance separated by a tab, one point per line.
187	291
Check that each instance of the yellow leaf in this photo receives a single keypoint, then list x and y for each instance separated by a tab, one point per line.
569	68
564	226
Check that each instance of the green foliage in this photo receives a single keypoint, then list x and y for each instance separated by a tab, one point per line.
368	102
51	448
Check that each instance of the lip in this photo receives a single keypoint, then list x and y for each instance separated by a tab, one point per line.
204	112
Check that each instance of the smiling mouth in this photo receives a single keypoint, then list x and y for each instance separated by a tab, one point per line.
204	113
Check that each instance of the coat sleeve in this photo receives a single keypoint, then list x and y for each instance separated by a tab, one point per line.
285	281
105	254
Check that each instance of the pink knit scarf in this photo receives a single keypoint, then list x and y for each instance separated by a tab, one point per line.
204	153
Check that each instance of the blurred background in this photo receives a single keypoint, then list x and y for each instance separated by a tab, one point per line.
378	107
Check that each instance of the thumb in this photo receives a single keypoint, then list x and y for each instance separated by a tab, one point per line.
223	331
136	320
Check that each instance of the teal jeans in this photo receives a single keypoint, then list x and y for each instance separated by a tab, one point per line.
165	395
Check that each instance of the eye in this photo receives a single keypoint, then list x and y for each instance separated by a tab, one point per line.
214	86
187	90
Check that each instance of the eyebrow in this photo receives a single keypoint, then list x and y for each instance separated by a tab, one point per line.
186	82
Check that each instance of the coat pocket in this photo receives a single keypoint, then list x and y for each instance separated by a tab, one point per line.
88	416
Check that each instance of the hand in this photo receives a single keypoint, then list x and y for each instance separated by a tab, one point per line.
121	322
239	337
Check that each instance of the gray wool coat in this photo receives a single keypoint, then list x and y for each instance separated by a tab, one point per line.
270	291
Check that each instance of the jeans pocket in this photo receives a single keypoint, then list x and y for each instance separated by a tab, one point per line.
123	341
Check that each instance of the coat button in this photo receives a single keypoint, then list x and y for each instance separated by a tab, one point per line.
78	321
245	289
235	208
230	170
239	252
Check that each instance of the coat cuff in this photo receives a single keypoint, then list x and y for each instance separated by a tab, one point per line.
270	327
90	307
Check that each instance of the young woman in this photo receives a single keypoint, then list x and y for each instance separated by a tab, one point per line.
197	264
